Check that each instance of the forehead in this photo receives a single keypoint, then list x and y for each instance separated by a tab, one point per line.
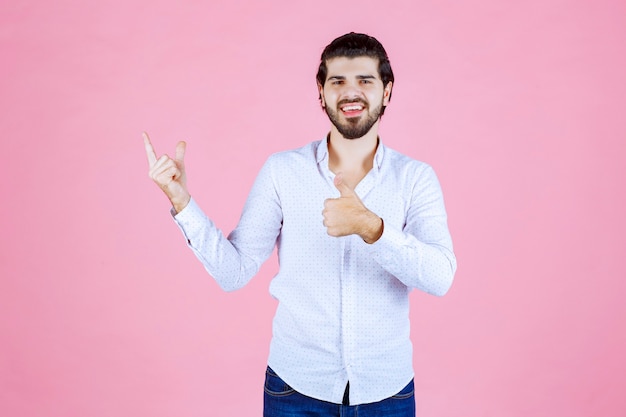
345	67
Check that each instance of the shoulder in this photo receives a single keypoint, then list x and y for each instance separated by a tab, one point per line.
293	157
291	168
414	179
406	165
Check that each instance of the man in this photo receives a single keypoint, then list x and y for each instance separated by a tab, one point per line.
340	342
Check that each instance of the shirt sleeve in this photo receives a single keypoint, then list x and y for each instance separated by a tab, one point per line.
234	259
420	254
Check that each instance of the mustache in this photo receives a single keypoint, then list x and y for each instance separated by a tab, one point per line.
352	101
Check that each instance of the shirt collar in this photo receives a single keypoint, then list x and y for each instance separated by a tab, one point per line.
322	152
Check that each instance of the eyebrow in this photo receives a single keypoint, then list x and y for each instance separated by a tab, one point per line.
360	77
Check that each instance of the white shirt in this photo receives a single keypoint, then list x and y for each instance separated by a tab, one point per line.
343	306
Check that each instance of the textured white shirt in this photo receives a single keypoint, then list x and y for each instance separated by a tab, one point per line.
343	306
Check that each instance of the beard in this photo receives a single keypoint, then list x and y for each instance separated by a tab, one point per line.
354	127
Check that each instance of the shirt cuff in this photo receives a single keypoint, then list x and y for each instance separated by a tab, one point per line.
190	219
385	249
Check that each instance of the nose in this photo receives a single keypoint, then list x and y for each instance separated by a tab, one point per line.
351	90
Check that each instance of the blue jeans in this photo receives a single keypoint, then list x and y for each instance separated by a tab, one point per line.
280	400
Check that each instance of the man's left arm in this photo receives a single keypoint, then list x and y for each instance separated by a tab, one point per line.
420	254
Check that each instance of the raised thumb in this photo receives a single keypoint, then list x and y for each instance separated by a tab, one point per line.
344	189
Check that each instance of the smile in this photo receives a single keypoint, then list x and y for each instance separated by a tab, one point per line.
352	107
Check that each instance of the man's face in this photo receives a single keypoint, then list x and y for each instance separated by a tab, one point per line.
353	95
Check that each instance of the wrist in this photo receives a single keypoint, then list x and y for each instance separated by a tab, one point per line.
375	231
180	203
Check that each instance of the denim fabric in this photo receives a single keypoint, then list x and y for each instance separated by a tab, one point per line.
280	400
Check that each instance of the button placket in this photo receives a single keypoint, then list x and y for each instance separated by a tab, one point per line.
348	304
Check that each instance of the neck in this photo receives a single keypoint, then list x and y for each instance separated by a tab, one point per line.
352	155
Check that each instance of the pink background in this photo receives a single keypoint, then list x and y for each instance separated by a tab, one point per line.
519	106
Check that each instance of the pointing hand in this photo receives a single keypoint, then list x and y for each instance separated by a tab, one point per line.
169	174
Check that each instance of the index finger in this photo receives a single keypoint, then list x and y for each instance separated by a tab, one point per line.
149	149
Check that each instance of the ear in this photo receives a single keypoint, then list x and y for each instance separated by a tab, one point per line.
320	89
387	93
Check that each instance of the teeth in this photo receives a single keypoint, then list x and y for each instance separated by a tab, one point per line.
350	108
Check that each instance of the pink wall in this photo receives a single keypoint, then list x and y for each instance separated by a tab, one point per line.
518	106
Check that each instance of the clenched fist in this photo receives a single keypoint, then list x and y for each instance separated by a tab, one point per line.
169	174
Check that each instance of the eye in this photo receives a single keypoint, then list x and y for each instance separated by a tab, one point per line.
337	82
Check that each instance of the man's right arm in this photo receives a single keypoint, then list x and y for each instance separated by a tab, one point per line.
231	260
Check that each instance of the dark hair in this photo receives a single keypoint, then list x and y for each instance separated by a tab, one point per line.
353	45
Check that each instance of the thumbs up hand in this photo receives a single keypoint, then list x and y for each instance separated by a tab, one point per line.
347	215
169	174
